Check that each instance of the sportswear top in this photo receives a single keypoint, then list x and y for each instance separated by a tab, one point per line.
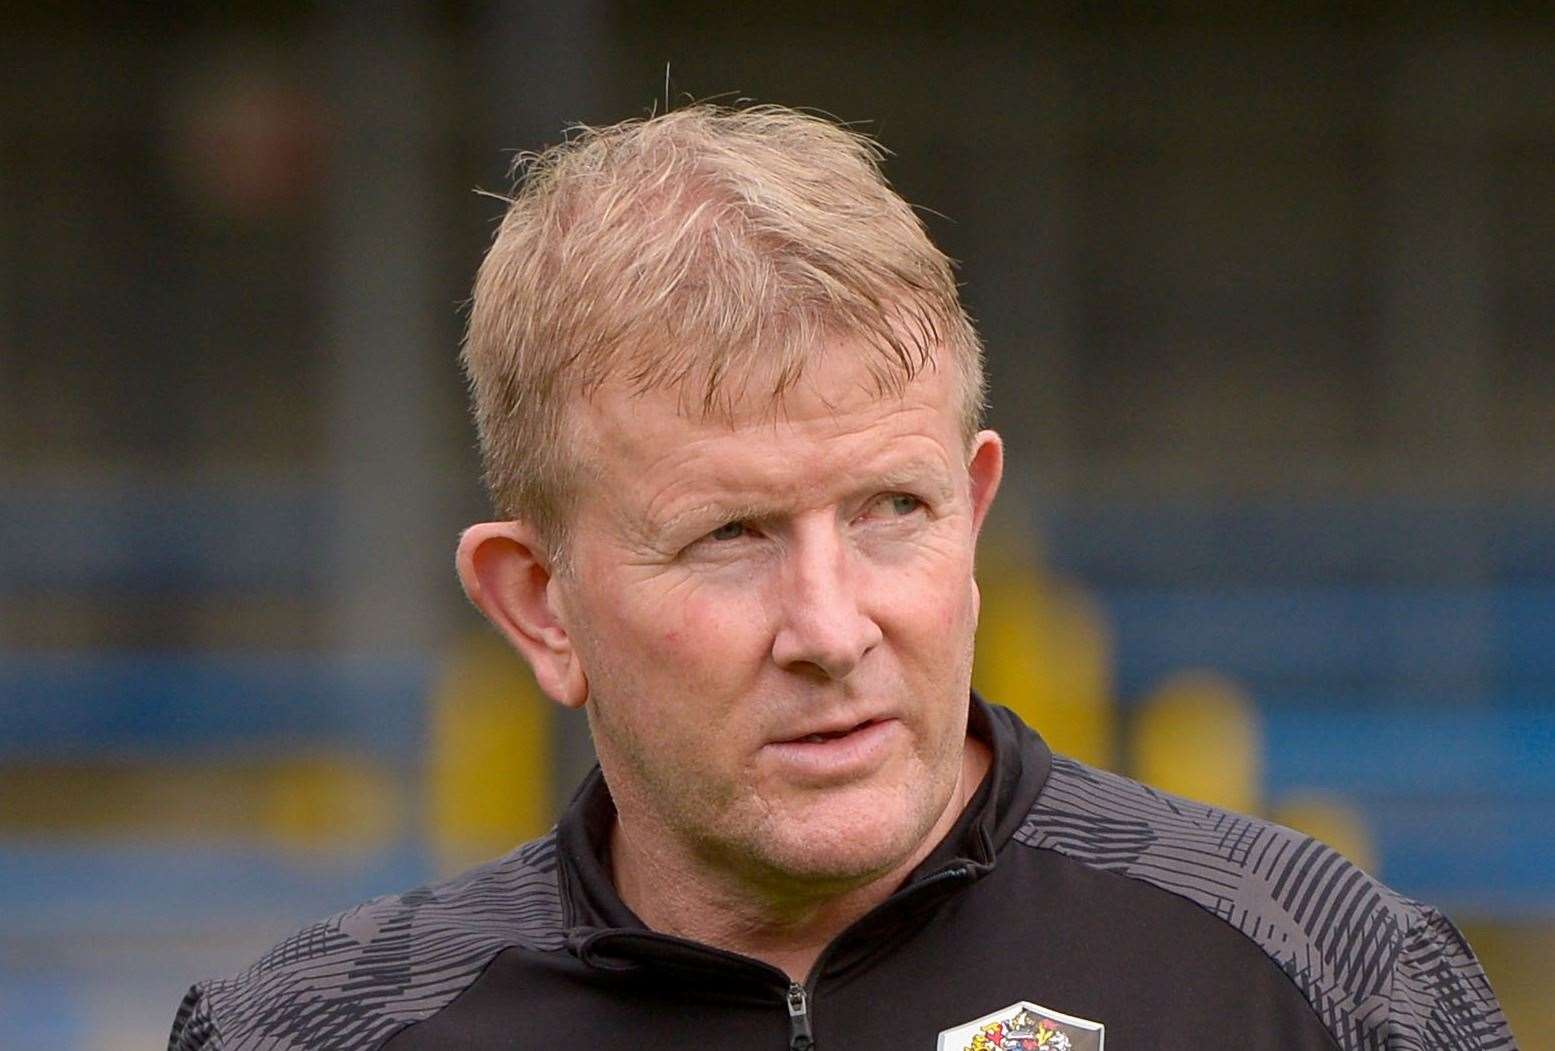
1066	907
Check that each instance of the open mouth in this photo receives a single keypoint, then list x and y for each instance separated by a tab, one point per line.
832	757
833	735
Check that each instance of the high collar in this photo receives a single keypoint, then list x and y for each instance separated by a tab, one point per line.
596	916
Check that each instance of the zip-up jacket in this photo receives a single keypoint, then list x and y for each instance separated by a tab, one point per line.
1066	901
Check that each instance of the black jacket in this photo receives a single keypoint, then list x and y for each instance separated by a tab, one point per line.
1078	892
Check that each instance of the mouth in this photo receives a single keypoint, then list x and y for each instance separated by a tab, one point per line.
833	755
823	736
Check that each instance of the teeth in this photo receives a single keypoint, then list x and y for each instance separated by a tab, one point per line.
816	738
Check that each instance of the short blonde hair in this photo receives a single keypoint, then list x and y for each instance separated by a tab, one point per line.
703	249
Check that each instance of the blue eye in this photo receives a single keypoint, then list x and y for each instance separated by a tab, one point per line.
904	503
728	531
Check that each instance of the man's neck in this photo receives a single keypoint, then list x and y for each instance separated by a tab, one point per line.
673	894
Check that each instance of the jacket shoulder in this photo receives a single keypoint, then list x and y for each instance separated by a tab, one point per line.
353	979
1379	969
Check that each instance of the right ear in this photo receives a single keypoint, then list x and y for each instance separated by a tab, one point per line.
506	573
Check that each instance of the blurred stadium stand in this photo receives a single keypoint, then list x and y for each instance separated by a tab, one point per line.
1424	701
1421	691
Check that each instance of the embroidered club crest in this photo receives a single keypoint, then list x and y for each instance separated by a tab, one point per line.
1024	1027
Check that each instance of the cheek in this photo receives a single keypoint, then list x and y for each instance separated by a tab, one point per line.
957	614
699	636
728	630
934	600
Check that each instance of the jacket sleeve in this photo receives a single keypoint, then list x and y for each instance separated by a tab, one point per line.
194	1029
1440	996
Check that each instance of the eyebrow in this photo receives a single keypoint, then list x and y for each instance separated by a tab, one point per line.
919	473
712	511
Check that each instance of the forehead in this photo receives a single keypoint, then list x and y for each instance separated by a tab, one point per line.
834	423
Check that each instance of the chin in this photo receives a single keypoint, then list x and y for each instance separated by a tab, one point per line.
845	841
831	868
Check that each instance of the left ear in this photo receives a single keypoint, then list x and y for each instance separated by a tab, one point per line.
985	469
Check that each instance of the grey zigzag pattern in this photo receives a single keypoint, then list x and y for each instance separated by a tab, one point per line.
1382	972
355	978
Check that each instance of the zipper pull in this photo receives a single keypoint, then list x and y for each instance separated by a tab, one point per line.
799	1038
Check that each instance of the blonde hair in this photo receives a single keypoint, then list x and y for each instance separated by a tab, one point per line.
700	250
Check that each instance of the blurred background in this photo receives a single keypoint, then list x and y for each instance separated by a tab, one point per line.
1270	310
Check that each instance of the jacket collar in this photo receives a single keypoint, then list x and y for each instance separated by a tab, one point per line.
1021	762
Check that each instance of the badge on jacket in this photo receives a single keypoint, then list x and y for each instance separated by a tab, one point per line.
1024	1026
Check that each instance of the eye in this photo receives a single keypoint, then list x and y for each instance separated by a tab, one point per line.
728	531
894	505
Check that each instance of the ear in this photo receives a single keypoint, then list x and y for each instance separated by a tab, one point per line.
506	573
985	469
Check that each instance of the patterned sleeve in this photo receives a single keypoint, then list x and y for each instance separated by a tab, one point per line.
193	1028
1440	997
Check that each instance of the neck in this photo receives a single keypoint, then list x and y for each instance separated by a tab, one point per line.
787	926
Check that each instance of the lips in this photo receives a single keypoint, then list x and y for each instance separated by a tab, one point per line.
821	736
835	754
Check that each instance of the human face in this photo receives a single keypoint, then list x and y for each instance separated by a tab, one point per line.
775	616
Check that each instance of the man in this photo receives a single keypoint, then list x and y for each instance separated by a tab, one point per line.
729	404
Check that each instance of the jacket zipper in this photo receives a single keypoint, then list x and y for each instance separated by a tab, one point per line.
796	999
799	1037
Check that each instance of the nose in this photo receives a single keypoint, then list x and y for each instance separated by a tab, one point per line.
822	630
